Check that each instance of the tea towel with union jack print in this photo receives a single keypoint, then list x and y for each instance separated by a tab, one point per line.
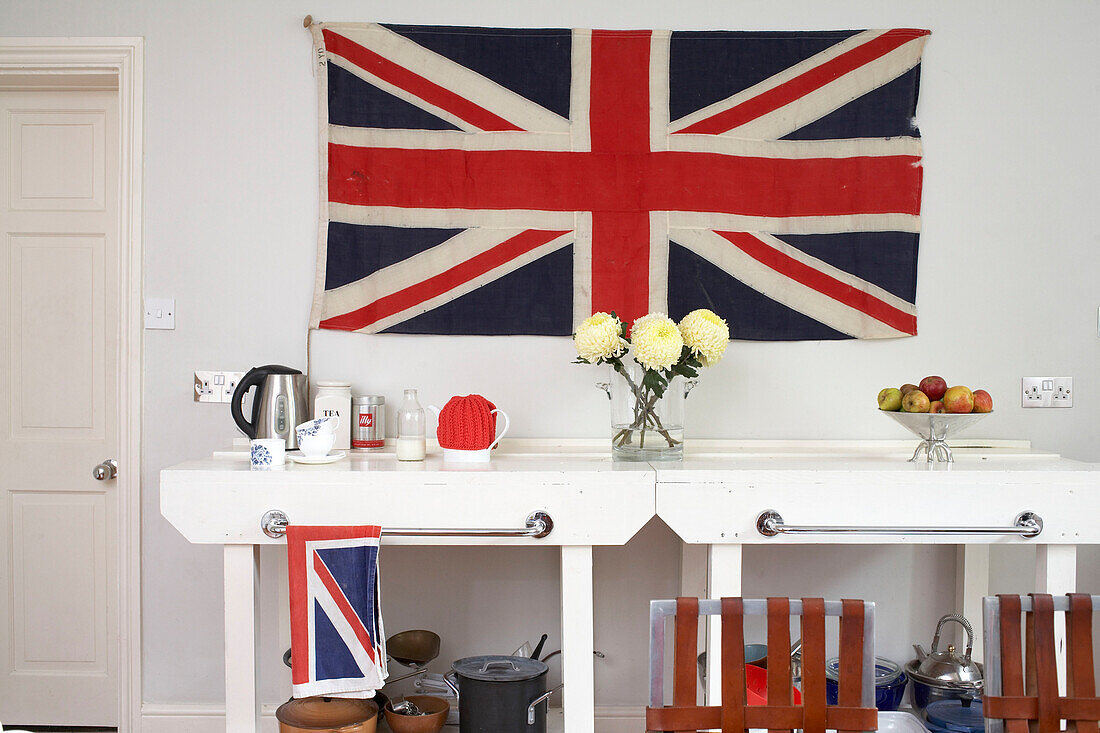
337	641
513	181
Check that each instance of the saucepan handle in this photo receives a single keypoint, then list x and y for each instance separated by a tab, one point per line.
451	679
535	703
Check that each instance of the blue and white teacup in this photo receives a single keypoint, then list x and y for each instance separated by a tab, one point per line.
267	453
316	437
318	426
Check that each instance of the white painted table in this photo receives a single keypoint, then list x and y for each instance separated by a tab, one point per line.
711	500
714	499
592	502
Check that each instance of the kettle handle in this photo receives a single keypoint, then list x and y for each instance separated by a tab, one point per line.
966	626
251	379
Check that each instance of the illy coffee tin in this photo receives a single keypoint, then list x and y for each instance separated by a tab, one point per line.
368	430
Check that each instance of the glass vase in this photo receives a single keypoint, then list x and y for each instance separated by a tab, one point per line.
645	427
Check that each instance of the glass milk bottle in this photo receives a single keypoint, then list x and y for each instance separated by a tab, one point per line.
334	400
410	429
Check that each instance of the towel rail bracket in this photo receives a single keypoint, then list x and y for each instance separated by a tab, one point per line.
538	525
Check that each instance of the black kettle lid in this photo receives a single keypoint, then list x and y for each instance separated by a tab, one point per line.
276	369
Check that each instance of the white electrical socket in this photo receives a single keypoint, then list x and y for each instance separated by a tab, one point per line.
216	386
1047	391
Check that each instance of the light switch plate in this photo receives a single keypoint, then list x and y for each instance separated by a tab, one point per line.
1047	391
160	313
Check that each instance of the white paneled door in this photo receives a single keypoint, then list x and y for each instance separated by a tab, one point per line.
59	285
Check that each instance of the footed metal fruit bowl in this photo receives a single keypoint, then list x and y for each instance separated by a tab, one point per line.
933	429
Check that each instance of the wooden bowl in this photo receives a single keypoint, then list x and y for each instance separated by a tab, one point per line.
436	707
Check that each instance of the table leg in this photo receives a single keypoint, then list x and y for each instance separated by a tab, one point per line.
724	580
578	671
1056	574
242	642
693	584
971	586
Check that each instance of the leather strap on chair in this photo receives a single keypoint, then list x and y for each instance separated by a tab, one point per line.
1041	631
703	718
813	664
1012	666
1019	709
1080	676
684	664
851	654
779	656
733	666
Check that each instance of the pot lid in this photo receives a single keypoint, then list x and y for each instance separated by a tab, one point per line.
325	713
499	668
956	715
886	671
946	667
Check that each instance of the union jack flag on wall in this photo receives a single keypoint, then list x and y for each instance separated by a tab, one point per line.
508	181
337	640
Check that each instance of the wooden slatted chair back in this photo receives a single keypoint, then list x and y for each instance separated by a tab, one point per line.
855	708
1021	670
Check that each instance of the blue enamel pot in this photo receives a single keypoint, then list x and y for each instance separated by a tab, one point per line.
889	683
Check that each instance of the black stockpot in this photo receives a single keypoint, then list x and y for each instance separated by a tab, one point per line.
495	693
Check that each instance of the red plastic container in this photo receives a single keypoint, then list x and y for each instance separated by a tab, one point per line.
756	682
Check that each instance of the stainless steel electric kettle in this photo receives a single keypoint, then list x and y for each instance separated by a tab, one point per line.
281	402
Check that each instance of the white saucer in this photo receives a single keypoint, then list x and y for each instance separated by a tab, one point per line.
308	460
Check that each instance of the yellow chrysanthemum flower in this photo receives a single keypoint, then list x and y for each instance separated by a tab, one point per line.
657	341
599	337
706	335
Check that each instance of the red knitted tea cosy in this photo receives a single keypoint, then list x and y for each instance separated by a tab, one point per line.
467	423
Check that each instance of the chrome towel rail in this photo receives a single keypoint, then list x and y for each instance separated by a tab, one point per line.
539	524
770	523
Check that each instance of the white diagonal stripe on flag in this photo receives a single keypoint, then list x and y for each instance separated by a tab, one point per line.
836	94
428	264
819	102
400	93
775	80
445	73
806	300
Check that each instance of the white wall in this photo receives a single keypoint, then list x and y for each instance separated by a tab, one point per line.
1008	263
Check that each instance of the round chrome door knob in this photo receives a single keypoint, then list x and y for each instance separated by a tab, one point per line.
106	470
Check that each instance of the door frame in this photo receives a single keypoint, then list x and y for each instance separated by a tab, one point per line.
28	63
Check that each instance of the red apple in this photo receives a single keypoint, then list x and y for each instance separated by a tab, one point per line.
934	387
937	407
907	388
958	400
915	401
983	401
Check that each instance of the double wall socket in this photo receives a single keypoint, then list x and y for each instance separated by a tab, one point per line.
1047	391
216	386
